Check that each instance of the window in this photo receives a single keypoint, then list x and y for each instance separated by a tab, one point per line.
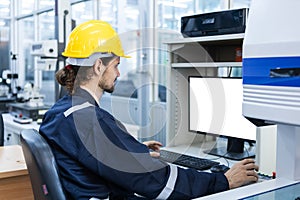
35	24
46	22
82	11
46	4
4	35
4	9
25	7
46	26
4	44
108	11
241	3
25	39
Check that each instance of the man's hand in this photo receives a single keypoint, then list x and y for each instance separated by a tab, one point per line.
153	145
242	173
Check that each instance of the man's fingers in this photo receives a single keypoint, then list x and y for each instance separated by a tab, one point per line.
252	179
154	154
251	173
251	166
247	161
152	143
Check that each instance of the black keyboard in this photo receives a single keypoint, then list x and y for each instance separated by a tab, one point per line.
186	160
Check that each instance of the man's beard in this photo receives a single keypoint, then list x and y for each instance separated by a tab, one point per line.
109	90
105	87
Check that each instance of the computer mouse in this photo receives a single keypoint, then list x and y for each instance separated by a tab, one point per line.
219	168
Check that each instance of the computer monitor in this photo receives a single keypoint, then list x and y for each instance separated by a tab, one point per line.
215	107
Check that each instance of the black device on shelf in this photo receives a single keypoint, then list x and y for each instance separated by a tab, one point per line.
215	108
186	160
214	23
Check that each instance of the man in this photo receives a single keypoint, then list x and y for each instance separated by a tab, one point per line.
95	154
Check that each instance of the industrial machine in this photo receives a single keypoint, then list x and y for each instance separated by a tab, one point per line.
32	106
45	53
271	81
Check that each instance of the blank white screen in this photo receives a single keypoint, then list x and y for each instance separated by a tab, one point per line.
215	106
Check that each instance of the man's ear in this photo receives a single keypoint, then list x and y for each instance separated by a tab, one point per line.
98	67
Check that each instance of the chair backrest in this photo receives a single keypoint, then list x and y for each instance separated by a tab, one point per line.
1	130
41	166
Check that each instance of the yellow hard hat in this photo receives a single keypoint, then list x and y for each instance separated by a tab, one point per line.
92	37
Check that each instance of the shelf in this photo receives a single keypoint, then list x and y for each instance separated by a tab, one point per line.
210	56
207	64
214	38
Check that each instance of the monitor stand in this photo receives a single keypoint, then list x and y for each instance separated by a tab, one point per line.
235	150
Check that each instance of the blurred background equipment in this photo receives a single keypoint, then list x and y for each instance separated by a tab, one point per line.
45	55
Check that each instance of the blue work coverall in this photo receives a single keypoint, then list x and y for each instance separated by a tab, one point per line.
98	158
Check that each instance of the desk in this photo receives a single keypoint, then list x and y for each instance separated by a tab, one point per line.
238	193
14	178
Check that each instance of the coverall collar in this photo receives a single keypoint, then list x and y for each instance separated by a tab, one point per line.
86	95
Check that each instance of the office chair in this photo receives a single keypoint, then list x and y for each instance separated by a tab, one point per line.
1	130
41	166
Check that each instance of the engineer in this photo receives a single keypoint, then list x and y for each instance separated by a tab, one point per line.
95	154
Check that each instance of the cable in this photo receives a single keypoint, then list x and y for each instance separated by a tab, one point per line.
230	70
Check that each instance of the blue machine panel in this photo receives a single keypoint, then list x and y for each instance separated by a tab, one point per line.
273	71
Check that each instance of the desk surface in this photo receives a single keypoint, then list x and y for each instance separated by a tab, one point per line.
238	193
12	162
14	178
